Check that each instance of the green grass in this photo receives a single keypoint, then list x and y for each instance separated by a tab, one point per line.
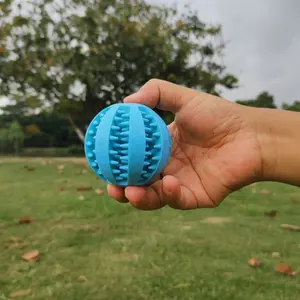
124	253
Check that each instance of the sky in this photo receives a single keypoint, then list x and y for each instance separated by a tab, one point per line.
263	44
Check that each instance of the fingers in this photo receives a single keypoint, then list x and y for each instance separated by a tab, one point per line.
117	193
145	198
162	94
167	191
176	195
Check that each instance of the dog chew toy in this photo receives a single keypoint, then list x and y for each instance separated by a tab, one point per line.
127	144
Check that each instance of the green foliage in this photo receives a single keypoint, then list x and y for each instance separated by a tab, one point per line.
51	129
12	138
44	130
295	106
264	100
3	140
107	49
32	130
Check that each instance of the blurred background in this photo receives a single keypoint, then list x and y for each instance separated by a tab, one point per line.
61	62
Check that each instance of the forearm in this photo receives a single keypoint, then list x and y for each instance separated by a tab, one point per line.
278	134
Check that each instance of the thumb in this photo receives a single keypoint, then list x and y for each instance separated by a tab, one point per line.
163	95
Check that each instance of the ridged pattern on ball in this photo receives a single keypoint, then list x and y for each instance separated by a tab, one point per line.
90	143
153	145
118	145
127	144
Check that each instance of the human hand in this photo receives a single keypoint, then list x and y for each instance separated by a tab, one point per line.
215	150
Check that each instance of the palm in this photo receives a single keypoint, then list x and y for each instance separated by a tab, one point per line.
213	153
215	150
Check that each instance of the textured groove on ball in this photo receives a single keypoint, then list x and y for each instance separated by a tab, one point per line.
153	145
90	143
119	145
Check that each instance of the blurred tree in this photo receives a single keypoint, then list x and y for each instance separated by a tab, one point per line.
32	130
264	99
16	136
50	129
80	56
295	106
16	109
3	139
12	137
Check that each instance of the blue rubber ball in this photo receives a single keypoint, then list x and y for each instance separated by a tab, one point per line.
127	144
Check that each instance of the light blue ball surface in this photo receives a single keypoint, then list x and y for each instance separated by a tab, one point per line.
127	144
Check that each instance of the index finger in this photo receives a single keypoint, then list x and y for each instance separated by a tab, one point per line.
163	95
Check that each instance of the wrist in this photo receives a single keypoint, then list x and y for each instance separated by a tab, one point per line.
278	137
267	138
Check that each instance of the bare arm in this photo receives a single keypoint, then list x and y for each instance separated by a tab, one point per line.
278	132
218	147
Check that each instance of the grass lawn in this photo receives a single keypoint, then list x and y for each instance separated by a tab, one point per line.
98	249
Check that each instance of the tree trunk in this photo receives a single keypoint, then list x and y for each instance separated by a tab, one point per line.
77	130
